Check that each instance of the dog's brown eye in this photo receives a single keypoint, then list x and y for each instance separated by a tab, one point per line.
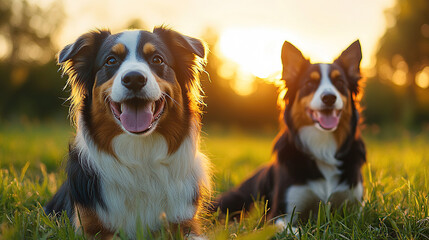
157	60
111	61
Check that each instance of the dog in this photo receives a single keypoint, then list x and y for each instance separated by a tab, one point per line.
318	154
135	159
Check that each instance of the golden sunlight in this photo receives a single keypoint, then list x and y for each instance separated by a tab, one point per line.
422	78
250	53
400	75
4	48
255	52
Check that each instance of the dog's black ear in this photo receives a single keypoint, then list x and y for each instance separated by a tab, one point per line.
70	51
77	59
84	46
182	42
349	60
293	62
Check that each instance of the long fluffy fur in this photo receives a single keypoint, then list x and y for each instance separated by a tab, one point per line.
116	180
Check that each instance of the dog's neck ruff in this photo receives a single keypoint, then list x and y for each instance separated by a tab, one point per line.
321	144
323	147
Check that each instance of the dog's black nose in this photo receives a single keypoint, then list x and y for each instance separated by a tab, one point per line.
329	99
134	81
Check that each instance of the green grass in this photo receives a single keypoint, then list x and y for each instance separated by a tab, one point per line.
396	180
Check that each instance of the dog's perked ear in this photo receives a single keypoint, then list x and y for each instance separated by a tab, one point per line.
349	60
293	62
189	53
77	60
181	42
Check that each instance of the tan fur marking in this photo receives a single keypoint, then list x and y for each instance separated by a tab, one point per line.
335	73
315	75
92	226
343	129
119	49
103	122
148	48
300	117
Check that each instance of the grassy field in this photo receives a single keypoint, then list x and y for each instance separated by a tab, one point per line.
396	180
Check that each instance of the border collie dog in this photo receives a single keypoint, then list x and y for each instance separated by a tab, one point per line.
318	153
135	160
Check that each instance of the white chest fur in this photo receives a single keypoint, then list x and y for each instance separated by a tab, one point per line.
323	147
145	181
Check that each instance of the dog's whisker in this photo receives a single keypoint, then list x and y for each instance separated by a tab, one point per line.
174	101
106	98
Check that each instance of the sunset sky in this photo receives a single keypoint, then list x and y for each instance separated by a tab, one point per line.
251	32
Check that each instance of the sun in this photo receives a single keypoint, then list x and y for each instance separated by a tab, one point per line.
250	53
257	51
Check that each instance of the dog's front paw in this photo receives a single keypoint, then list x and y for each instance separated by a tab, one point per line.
283	225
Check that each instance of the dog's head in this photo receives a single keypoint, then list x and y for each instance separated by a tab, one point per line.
321	94
134	82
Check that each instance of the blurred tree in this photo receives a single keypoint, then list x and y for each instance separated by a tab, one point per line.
404	51
29	82
28	30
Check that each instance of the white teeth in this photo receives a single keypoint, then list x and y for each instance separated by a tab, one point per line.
153	107
122	107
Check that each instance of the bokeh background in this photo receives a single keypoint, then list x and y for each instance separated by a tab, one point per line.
241	116
245	38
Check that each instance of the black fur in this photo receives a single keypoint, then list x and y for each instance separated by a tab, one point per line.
82	186
81	56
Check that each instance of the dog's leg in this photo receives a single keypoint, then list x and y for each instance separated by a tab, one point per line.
243	196
300	200
88	221
282	224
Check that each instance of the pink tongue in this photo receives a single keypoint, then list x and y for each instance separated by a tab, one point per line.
327	121
136	118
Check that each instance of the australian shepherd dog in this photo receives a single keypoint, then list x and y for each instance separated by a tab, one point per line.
135	160
318	154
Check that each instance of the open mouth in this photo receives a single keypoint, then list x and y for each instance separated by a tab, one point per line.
327	119
138	115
